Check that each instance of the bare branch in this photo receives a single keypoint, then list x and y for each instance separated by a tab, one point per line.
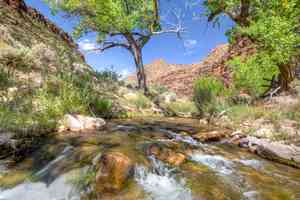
108	45
176	27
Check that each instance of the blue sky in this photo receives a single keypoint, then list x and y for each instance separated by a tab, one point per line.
200	39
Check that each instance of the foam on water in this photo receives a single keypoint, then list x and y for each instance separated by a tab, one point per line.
160	182
66	152
215	162
256	164
57	190
181	138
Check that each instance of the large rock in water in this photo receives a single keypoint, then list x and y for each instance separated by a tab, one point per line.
114	171
213	136
276	151
166	154
80	123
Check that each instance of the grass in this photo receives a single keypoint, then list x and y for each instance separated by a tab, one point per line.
183	106
140	101
240	113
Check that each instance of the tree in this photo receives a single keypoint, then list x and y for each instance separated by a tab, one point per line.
129	24
272	25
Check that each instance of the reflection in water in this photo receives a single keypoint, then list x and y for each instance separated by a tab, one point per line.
161	183
57	190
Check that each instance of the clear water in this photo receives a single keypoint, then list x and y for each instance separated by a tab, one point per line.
211	172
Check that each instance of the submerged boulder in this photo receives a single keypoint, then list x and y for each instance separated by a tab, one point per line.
276	151
80	123
166	154
213	136
114	171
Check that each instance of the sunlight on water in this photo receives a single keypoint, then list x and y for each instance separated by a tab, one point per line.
57	190
215	162
160	183
181	138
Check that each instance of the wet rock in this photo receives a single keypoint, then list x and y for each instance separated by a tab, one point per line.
7	144
166	154
276	151
251	195
114	171
78	123
213	136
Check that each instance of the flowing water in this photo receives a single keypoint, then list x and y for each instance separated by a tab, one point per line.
211	171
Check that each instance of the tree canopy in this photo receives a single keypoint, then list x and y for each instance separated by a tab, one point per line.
118	23
273	26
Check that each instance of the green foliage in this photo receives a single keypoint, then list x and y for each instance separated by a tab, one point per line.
182	107
5	79
107	16
273	27
140	101
108	75
206	91
156	90
42	108
103	108
251	75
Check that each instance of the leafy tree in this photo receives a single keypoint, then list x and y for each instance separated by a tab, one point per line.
272	25
129	24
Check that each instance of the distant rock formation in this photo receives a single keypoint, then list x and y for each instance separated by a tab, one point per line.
181	77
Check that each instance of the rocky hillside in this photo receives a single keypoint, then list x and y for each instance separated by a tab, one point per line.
180	78
29	37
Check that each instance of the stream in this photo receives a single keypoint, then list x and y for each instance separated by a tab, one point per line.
59	170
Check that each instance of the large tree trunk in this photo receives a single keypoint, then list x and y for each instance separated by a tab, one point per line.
136	50
286	76
141	75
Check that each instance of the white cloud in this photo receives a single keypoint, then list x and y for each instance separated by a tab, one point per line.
87	45
124	73
190	44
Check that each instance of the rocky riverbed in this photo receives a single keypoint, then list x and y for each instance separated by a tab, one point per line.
159	159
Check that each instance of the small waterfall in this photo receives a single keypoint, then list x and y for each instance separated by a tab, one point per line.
57	190
181	138
256	164
215	162
50	166
160	182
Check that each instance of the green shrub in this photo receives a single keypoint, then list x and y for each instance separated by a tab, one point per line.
156	90
183	107
102	108
5	80
250	75
140	101
108	75
206	92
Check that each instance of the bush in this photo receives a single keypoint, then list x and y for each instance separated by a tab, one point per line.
250	75
140	101
42	108
5	80
108	75
102	108
182	107
206	91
